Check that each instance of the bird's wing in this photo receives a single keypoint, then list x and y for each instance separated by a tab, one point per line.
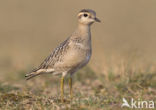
55	56
47	65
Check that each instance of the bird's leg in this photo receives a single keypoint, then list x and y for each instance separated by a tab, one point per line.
62	89
70	86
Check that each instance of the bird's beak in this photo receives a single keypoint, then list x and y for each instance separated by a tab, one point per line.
97	20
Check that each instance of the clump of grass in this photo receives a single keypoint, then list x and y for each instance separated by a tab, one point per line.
14	98
7	88
91	91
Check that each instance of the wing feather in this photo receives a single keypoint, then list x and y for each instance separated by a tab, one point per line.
55	56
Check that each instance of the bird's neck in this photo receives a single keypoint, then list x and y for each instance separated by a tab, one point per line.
83	29
82	33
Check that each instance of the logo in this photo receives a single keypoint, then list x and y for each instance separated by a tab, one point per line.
138	103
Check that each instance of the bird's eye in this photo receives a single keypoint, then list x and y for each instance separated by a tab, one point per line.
85	15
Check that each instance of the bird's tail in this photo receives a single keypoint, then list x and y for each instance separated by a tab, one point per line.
37	72
31	75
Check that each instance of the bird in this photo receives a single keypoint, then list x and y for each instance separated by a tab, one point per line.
72	54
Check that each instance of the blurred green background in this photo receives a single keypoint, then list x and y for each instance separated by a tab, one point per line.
31	29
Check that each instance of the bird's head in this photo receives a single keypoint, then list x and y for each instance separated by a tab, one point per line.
87	17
